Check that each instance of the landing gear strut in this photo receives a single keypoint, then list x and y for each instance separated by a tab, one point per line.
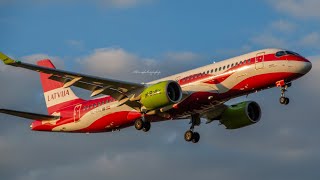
283	87
190	135
142	124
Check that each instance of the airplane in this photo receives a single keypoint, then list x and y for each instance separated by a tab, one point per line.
194	94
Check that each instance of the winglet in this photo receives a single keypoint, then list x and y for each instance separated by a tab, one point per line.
6	59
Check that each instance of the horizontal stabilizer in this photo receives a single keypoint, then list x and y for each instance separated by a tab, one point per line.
28	115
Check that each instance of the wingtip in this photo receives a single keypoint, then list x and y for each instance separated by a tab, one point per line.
6	59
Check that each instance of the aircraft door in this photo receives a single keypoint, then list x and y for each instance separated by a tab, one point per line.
77	113
259	61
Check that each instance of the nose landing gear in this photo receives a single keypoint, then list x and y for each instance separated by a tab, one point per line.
283	87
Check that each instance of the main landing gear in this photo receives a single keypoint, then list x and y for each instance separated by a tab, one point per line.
190	135
142	124
283	87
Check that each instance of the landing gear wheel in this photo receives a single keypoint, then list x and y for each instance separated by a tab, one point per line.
286	101
146	127
139	124
188	136
282	100
196	137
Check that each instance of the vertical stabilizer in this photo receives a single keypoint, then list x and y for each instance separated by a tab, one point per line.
56	96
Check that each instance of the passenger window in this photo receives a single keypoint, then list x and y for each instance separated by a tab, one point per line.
240	62
248	60
211	70
216	70
95	105
207	72
219	68
236	63
244	62
232	65
228	66
224	67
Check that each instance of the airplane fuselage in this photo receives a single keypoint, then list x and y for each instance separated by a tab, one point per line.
206	86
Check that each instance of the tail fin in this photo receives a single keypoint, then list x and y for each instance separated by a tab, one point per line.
56	96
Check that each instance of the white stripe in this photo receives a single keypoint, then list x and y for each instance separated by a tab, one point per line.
58	96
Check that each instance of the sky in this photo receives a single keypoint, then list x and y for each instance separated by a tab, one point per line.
117	39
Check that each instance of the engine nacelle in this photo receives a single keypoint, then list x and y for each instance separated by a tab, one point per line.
160	95
241	115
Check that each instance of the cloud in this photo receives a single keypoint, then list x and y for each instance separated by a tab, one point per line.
279	34
182	56
311	39
283	142
283	26
121	64
298	8
57	61
114	62
275	34
76	44
269	40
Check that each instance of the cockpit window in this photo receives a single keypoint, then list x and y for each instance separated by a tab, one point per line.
280	53
292	53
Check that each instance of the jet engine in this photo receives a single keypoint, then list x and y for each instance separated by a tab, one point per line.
241	115
160	95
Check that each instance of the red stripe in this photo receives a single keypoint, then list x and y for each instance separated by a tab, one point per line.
48	84
224	75
63	105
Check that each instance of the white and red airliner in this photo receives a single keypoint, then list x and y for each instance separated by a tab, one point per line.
195	94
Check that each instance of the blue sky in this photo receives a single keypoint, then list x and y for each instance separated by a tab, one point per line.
148	28
114	38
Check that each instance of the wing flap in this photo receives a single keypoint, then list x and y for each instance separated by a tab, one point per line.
28	115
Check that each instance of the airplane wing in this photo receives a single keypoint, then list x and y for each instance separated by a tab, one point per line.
28	115
115	88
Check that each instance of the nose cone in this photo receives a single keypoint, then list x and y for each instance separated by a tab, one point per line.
306	67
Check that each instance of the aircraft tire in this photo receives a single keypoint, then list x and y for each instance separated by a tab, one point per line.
287	101
196	137
188	136
282	100
146	127
139	124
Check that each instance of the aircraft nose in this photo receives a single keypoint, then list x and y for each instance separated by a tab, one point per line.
307	67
